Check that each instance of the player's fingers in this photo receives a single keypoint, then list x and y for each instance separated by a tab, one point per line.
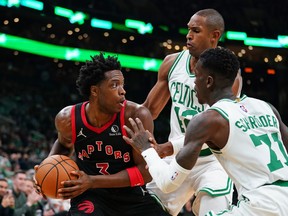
139	124
65	195
77	173
68	193
134	125
127	139
152	140
149	133
68	184
128	130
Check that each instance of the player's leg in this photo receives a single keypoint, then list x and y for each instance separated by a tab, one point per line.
175	200
214	189
204	202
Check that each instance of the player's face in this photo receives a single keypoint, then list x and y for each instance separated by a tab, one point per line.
199	37
111	92
201	81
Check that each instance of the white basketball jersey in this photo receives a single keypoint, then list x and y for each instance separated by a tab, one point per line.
185	104
254	154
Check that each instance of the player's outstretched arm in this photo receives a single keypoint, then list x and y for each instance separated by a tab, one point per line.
169	177
159	95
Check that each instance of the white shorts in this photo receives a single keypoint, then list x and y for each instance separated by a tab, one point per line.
207	175
265	201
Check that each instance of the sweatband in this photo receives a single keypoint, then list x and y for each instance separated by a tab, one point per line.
168	177
177	144
135	176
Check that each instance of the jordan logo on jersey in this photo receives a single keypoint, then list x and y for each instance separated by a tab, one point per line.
115	131
81	133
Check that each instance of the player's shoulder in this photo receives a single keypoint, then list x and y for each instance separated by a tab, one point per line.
171	57
64	112
208	117
134	109
167	64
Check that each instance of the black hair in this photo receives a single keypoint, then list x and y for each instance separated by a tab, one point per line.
93	72
214	19
19	172
220	61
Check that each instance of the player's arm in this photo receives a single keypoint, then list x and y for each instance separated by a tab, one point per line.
169	177
145	116
63	145
157	99
159	94
282	126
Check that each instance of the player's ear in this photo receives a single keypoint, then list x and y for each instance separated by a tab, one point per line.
215	36
94	90
209	81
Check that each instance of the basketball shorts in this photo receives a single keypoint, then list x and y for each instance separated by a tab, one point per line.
206	176
116	202
265	201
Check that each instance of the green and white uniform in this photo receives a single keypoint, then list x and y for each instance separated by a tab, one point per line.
207	175
254	157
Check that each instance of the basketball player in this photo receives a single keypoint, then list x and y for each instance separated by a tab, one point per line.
176	80
246	135
113	176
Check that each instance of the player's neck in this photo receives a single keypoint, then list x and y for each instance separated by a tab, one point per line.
219	95
193	62
96	117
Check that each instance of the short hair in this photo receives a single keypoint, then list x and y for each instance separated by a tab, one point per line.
18	172
4	179
93	72
214	19
220	61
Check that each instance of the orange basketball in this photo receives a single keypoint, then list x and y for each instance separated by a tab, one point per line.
52	171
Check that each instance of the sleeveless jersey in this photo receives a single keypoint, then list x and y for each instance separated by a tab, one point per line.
185	104
100	151
254	154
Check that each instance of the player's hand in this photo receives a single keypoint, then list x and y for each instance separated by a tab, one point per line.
164	149
36	185
73	188
139	137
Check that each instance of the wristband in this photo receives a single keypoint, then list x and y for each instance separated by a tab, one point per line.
168	177
150	156
135	176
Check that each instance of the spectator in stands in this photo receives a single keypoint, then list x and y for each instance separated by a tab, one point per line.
23	204
7	201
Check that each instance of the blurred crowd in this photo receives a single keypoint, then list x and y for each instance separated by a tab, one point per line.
19	198
27	132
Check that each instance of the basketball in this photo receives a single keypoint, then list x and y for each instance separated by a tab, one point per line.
52	171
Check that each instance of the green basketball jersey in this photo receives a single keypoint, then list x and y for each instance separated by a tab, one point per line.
254	154
185	104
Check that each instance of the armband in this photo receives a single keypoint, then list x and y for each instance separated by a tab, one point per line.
135	176
177	144
168	177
